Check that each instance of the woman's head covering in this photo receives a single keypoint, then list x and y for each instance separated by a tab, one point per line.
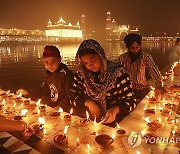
131	38
108	75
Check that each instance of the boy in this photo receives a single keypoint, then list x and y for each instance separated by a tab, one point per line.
55	89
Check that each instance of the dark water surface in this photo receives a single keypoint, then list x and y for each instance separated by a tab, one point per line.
21	66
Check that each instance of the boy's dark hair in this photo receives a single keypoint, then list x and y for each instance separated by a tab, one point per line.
86	51
51	51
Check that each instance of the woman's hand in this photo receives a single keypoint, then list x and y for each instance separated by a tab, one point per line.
93	108
111	114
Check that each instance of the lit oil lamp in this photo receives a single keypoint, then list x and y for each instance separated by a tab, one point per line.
57	114
165	112
3	104
62	139
120	132
27	101
104	140
19	117
38	128
85	120
155	125
68	116
18	98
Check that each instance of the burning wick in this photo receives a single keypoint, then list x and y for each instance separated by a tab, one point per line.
41	121
77	142
87	116
23	112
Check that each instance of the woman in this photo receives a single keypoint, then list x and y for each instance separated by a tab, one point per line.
101	85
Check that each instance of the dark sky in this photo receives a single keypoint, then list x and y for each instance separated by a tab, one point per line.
150	15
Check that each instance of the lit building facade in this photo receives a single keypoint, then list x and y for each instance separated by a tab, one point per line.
117	32
63	30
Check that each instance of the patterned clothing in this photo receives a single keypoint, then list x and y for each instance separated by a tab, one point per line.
111	89
137	69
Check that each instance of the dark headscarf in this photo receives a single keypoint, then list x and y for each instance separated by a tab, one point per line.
108	75
131	38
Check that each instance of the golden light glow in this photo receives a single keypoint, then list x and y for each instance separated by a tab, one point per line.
146	119
71	111
87	115
23	112
66	129
41	120
60	110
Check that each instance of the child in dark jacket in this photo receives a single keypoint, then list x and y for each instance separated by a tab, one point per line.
101	85
55	89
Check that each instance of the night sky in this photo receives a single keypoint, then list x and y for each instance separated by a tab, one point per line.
150	15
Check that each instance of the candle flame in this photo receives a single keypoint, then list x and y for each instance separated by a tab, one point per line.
20	94
23	112
137	152
160	108
159	119
38	102
113	135
71	111
77	141
8	92
65	129
87	114
3	102
60	110
95	122
89	147
173	121
118	126
41	120
146	119
29	99
173	132
147	97
145	107
143	132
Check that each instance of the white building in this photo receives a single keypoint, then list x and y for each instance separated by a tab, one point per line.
63	30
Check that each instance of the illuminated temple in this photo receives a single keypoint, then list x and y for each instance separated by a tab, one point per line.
63	29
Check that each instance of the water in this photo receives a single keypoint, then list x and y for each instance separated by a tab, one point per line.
21	66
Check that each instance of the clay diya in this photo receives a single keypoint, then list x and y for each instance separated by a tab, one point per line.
18	99
27	102
3	95
121	132
150	136
17	117
171	106
55	114
38	128
61	139
84	121
32	106
152	100
149	111
42	108
104	140
10	97
155	125
67	117
165	112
